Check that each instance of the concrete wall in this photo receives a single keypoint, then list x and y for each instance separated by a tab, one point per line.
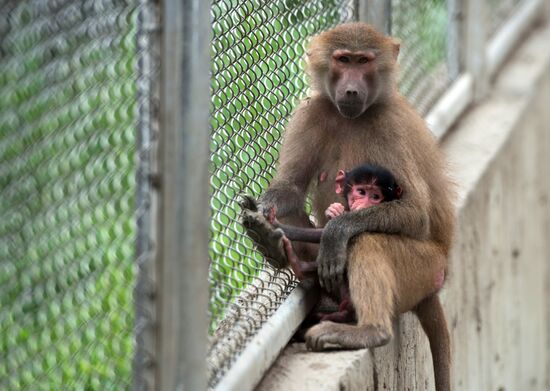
496	300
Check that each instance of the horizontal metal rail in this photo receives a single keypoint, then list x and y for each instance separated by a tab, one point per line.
511	33
266	346
449	107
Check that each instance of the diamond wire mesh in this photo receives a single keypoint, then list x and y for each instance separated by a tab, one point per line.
257	51
422	28
67	185
498	11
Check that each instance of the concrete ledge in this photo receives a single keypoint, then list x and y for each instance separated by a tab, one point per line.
496	298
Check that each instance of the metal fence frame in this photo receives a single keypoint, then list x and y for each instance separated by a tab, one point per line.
173	218
171	294
184	187
478	58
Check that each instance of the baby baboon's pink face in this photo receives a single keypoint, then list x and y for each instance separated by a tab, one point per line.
363	195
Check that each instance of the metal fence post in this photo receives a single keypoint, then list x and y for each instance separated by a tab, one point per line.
474	45
377	13
184	216
148	46
454	33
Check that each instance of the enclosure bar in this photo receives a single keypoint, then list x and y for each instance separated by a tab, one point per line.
451	105
511	33
454	29
474	42
376	13
184	227
148	84
265	347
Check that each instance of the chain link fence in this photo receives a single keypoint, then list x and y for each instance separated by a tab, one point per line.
422	28
67	193
257	80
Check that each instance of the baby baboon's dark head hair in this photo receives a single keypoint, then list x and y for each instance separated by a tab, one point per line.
373	175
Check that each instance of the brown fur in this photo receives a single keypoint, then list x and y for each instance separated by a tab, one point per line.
402	246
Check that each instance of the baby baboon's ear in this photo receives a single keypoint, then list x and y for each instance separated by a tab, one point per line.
340	182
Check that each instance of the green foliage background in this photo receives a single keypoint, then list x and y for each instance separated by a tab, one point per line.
67	185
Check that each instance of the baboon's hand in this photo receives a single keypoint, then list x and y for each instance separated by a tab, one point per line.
267	238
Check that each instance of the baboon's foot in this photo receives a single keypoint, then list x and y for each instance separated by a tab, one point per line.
330	335
268	239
